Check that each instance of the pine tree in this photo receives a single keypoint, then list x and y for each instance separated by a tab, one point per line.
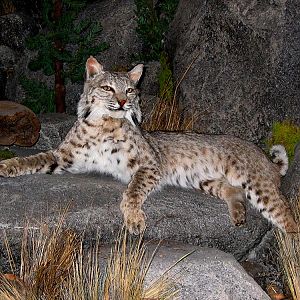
59	31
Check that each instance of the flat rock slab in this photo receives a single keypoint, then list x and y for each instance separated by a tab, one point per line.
93	205
207	274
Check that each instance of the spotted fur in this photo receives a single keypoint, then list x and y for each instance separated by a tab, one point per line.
107	139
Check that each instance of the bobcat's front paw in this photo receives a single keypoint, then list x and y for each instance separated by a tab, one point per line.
3	170
134	220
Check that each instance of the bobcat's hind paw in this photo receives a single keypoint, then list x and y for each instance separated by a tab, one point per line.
134	220
238	213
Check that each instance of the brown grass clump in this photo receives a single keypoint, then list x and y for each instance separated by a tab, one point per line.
55	265
127	270
289	250
167	115
7	7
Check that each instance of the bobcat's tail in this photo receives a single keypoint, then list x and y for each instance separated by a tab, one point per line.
279	157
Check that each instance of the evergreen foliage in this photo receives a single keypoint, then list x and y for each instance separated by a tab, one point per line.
6	154
78	42
39	98
153	22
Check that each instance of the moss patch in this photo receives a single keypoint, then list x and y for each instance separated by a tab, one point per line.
287	134
6	154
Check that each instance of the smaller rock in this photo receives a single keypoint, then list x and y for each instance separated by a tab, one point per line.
207	273
150	84
18	124
291	181
54	128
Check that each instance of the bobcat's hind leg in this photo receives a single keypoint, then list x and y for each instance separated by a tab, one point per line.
39	163
233	196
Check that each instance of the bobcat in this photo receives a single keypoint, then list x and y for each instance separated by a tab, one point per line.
106	138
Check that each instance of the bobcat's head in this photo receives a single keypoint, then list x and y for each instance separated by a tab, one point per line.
111	94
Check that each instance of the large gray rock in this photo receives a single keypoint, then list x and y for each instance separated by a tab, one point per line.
246	69
93	200
207	274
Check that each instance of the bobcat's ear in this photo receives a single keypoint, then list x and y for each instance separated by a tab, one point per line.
136	73
92	67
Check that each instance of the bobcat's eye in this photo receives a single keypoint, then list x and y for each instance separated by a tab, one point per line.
107	88
130	90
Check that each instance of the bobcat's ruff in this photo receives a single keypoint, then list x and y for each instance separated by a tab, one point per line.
106	138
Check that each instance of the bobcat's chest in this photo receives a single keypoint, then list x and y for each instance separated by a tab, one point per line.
109	152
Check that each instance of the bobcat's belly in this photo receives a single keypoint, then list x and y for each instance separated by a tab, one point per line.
190	175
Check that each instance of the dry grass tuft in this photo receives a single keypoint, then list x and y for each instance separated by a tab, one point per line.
7	7
127	269
167	115
55	265
289	250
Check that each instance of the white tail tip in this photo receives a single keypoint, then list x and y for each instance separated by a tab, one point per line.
279	157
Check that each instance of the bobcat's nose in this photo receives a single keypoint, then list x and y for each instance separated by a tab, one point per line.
122	102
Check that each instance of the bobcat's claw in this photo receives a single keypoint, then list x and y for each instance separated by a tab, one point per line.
134	220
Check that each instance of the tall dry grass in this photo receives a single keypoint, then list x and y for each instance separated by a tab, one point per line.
54	265
289	251
167	114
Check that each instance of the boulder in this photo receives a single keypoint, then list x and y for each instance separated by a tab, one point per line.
93	206
14	28
18	124
243	63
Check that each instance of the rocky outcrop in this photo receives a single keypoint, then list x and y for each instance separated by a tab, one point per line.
119	31
245	58
18	125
